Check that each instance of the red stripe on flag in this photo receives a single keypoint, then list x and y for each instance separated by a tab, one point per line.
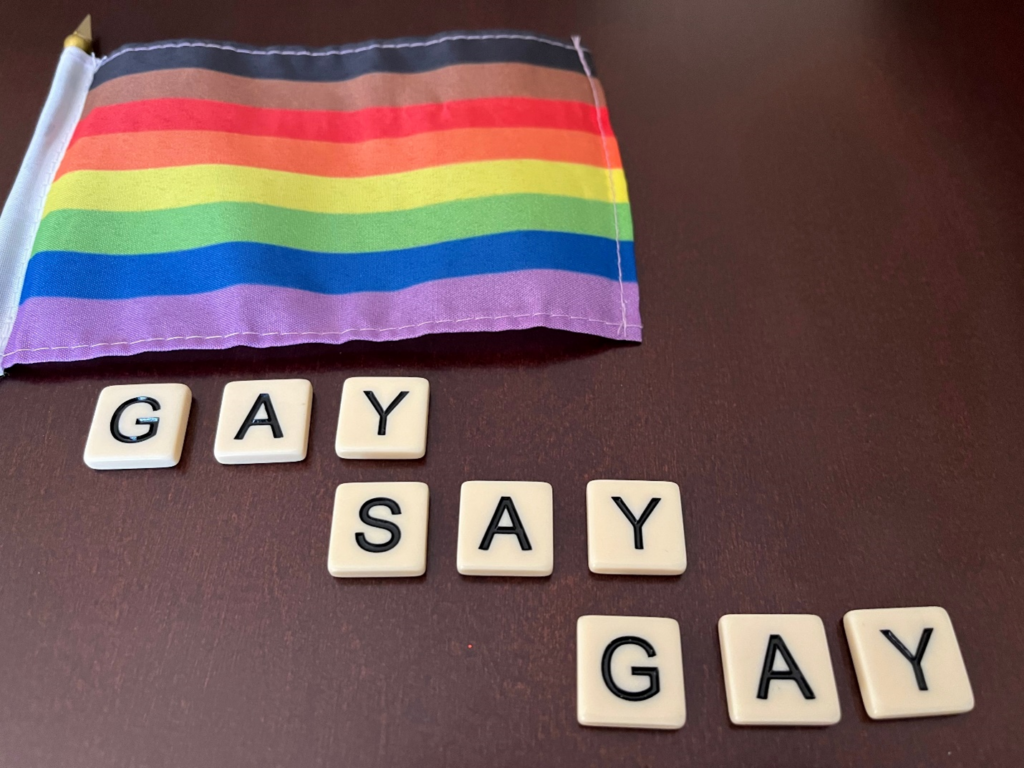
341	127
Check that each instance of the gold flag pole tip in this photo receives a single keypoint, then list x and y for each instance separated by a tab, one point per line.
81	37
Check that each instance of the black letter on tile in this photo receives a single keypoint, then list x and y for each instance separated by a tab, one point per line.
914	658
638	525
516	527
776	645
251	421
153	421
383	413
385	525
651	673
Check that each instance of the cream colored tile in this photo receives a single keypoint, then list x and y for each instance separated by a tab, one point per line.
138	426
379	529
505	529
908	662
778	670
263	422
635	526
383	417
629	672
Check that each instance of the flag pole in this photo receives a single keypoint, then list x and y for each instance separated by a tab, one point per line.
81	37
20	217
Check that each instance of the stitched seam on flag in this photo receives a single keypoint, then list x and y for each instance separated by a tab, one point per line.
361	49
616	323
611	179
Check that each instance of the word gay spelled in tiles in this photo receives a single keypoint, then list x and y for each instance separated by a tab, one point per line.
138	426
379	529
383	418
629	672
260	422
908	662
778	670
263	422
506	529
635	526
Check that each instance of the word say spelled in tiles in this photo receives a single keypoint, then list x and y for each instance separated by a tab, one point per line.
379	529
908	662
635	526
138	426
383	417
778	670
629	672
506	529
263	422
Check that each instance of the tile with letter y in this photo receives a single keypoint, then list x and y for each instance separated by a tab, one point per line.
383	417
629	672
778	670
908	662
138	426
635	526
506	529
263	422
379	529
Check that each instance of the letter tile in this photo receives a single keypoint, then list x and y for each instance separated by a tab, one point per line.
379	529
383	417
629	672
505	529
138	426
635	526
908	662
263	422
778	670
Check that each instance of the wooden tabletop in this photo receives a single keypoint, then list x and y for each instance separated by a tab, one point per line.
829	216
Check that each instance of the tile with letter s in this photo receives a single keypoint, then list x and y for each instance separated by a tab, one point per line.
379	529
138	426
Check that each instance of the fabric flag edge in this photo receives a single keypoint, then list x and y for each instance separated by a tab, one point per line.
22	213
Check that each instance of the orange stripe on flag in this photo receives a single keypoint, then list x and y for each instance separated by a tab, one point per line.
164	149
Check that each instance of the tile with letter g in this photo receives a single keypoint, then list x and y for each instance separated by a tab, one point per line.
635	526
506	529
263	422
138	426
629	672
379	529
908	662
383	417
778	670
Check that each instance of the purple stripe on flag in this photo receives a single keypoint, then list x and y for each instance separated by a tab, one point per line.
60	329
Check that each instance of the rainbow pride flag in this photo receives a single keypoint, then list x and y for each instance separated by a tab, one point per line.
210	195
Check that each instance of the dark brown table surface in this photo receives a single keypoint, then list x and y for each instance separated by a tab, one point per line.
829	216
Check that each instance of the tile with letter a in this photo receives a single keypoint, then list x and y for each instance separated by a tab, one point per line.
383	417
138	426
629	672
635	526
778	670
506	529
263	422
379	529
908	662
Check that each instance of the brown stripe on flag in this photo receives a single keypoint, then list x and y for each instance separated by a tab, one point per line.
461	81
